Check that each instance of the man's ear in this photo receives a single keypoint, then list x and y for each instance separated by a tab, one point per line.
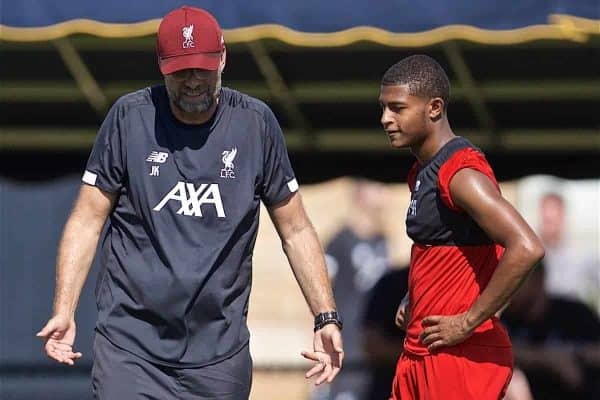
223	60
436	108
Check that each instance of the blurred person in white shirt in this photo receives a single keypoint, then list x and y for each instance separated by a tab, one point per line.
571	271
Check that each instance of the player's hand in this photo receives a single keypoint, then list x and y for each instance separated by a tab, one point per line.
328	354
440	331
59	334
403	314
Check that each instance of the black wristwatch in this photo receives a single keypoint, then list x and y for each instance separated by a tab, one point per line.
329	317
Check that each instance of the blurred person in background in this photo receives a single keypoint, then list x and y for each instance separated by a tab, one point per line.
471	250
571	271
556	341
181	169
357	256
382	340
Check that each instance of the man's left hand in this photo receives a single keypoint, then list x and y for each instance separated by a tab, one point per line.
328	354
440	331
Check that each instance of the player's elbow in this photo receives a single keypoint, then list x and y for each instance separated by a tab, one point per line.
532	251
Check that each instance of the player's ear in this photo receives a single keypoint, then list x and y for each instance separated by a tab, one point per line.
436	108
223	60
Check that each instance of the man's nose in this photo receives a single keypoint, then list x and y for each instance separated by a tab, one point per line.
197	75
386	117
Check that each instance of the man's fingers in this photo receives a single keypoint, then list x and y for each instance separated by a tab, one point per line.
328	364
428	339
429	332
431	329
61	352
315	370
60	357
436	345
432	320
324	375
340	360
69	360
72	356
333	374
310	355
54	355
319	367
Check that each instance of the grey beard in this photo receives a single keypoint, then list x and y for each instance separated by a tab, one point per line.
190	107
204	105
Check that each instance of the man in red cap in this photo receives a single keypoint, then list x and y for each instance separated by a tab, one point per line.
180	170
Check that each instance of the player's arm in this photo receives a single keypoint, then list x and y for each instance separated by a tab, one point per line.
477	195
305	254
75	256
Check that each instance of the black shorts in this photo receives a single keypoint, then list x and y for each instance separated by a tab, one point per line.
118	374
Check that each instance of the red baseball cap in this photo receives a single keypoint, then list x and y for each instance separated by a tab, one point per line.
189	37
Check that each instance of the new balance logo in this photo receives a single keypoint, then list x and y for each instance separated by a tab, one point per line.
157	157
191	199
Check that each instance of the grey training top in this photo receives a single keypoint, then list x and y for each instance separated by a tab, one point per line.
177	255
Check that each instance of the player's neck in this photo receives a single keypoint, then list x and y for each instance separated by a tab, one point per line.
429	147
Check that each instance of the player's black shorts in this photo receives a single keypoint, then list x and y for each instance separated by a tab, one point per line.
118	375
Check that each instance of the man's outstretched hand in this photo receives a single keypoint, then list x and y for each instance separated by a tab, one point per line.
59	334
328	354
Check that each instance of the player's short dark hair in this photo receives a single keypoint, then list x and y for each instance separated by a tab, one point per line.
424	76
